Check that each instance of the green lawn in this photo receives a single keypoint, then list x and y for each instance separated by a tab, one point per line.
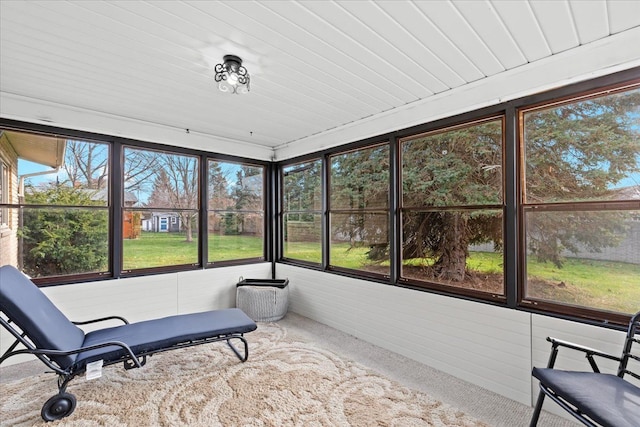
605	285
601	284
158	249
303	251
223	248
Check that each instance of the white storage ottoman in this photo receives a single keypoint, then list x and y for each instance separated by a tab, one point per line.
264	300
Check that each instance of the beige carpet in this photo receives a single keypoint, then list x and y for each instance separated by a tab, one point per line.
285	382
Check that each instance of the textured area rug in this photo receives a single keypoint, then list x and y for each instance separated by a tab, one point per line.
285	382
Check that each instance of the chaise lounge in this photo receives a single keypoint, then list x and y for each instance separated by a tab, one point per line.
61	345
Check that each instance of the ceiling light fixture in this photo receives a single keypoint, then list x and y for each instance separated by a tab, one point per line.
232	76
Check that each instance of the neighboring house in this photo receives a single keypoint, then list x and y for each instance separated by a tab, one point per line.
631	192
44	150
130	198
162	222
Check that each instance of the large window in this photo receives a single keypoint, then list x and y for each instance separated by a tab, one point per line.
302	211
236	211
59	205
64	216
160	209
581	202
534	203
359	210
452	207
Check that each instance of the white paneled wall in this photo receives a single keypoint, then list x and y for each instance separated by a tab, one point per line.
147	297
490	346
215	288
135	299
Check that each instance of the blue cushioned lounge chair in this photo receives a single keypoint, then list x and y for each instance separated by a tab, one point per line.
44	331
594	398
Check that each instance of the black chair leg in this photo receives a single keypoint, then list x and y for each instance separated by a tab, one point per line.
536	411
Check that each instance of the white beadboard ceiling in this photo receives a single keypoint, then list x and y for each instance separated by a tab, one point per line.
316	66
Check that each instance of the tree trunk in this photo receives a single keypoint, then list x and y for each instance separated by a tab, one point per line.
451	266
416	236
186	220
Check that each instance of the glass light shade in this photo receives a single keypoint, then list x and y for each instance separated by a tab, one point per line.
232	76
232	79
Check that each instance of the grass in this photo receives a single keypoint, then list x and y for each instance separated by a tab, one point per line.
303	251
342	255
159	249
607	285
222	248
604	285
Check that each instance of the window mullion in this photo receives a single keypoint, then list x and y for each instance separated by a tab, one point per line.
395	227
326	225
203	214
511	217
116	205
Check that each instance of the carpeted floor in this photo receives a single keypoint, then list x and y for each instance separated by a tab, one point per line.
299	373
484	405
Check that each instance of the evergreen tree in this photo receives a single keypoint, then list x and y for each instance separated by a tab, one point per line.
59	241
574	153
457	168
452	183
360	197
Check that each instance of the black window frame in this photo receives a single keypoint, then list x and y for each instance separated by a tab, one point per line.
282	211
266	196
563	96
116	205
385	277
159	150
461	290
5	178
512	213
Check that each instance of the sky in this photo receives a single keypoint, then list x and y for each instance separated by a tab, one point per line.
229	169
26	167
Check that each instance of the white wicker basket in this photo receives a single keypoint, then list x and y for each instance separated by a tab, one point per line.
263	303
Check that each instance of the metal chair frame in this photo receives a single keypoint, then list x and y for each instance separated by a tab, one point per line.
590	354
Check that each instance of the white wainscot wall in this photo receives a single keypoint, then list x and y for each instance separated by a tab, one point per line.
146	297
490	346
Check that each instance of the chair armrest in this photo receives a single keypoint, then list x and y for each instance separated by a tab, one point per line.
589	353
102	319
